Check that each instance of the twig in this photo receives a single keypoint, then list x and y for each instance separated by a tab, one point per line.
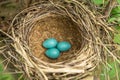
27	2
108	8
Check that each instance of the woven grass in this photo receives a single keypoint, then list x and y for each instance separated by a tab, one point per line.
71	21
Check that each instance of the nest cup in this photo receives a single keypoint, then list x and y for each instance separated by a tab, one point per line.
54	25
64	21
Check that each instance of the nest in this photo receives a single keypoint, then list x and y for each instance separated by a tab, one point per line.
73	22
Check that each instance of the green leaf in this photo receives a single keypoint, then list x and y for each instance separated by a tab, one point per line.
111	19
3	74
116	38
111	72
1	68
102	77
115	10
118	28
98	2
114	67
117	16
118	1
6	77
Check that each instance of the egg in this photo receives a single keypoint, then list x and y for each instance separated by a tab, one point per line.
52	53
63	46
50	43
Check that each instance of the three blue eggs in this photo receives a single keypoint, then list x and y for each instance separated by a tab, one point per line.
54	47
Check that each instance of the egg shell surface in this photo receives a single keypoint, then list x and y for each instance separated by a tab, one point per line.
50	43
63	46
52	53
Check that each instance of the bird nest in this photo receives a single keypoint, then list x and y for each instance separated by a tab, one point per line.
73	22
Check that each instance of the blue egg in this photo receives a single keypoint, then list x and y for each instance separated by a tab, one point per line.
63	46
50	43
52	53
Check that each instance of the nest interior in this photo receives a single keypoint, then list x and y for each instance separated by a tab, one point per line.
55	26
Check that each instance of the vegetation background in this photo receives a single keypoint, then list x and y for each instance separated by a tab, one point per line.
110	10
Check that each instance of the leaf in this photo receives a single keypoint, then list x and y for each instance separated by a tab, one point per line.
1	68
4	76
116	38
98	2
102	77
111	19
117	16
118	1
118	28
114	67
111	72
115	10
